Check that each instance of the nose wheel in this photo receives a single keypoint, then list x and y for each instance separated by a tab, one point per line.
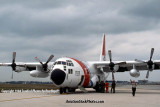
66	90
63	90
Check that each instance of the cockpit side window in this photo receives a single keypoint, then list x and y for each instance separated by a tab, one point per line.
69	63
72	64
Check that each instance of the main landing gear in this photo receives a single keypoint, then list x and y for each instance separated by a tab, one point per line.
100	87
66	90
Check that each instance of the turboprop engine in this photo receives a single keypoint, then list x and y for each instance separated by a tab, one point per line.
39	72
134	73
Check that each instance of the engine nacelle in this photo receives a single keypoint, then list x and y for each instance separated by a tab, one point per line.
39	74
134	73
20	69
93	81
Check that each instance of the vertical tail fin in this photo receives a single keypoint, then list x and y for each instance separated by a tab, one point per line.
103	51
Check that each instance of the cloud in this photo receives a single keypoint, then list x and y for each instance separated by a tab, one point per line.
75	28
72	18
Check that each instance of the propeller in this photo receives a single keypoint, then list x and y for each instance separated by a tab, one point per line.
111	64
45	65
149	62
13	65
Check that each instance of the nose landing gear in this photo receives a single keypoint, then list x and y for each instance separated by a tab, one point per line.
66	90
63	90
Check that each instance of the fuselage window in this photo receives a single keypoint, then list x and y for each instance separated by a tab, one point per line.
70	71
64	68
69	63
77	73
59	62
72	64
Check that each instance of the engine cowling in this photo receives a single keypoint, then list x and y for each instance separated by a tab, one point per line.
39	74
134	73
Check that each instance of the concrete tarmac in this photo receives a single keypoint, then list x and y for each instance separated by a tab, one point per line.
122	98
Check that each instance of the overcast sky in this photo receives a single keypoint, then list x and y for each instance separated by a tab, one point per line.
75	28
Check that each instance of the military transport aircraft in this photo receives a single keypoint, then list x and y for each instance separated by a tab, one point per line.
69	73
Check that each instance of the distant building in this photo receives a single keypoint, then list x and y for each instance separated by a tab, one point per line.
142	81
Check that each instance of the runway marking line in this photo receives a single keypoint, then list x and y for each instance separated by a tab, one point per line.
27	98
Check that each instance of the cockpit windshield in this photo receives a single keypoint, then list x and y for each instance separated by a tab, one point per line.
68	63
60	63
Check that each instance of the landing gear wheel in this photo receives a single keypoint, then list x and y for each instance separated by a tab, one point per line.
61	90
64	90
97	88
102	87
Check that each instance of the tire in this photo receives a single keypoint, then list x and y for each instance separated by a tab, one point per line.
97	87
64	90
61	90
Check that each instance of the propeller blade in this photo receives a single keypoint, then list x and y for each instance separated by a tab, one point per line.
14	57
37	59
140	61
110	55
151	55
112	76
13	65
50	58
147	75
12	75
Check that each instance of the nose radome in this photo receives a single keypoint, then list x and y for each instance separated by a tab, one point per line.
58	76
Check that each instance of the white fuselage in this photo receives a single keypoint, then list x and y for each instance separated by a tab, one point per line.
70	72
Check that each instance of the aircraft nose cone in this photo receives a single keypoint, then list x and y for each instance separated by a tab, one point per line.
58	76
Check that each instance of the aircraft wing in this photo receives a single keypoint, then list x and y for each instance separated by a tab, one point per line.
22	64
26	66
126	65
